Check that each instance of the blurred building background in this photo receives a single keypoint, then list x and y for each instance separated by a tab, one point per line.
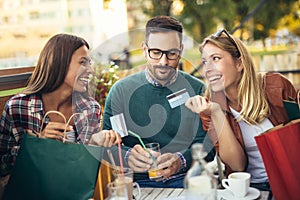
114	28
25	25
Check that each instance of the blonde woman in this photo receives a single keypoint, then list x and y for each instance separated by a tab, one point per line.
239	104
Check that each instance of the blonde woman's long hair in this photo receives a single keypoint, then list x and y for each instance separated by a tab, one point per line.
251	92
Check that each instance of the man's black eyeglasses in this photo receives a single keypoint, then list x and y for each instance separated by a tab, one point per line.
219	33
156	54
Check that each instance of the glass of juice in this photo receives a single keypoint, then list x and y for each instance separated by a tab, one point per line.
154	150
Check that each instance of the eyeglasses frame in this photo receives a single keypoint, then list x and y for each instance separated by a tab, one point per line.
162	53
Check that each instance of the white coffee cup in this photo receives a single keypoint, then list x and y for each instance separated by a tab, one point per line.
238	183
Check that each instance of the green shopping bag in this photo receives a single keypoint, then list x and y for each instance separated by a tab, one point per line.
49	169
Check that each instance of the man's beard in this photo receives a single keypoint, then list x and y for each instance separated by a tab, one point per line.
171	72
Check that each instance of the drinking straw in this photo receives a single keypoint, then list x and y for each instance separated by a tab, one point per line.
136	135
141	141
112	161
120	157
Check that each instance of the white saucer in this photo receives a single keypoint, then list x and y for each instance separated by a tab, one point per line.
252	194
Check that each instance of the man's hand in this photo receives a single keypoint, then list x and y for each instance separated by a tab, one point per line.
139	160
169	164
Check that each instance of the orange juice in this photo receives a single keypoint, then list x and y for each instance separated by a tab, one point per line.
153	174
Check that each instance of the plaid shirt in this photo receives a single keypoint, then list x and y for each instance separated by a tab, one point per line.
24	113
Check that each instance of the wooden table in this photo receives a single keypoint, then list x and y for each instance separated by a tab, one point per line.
161	193
176	193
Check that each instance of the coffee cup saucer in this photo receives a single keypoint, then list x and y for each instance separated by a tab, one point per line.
252	194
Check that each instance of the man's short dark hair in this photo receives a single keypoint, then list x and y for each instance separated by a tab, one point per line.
163	24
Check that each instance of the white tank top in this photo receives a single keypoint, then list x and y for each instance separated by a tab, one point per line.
256	165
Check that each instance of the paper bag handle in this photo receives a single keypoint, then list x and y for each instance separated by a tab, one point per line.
44	118
66	122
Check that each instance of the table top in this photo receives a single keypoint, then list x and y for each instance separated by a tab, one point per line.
161	193
177	193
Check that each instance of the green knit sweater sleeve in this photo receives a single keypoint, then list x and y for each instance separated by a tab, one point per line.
148	113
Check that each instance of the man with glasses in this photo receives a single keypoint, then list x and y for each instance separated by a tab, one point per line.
152	102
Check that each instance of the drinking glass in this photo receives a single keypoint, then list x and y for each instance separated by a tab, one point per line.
154	150
117	191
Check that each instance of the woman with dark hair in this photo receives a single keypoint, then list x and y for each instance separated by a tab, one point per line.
59	83
239	104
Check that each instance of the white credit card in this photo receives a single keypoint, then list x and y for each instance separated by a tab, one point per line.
178	98
118	124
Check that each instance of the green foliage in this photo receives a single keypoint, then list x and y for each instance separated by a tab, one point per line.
292	19
103	80
200	18
154	7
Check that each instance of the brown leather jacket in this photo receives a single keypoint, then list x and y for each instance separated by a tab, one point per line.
278	88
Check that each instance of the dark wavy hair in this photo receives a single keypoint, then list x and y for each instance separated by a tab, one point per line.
53	63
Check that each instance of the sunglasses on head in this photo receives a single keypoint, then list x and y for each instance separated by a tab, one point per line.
219	33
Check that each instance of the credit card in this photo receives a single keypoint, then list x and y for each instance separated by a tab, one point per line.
178	98
118	124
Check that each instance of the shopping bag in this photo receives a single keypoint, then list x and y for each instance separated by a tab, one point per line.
49	169
279	148
292	109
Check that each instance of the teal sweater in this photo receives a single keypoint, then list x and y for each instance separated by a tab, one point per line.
147	112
